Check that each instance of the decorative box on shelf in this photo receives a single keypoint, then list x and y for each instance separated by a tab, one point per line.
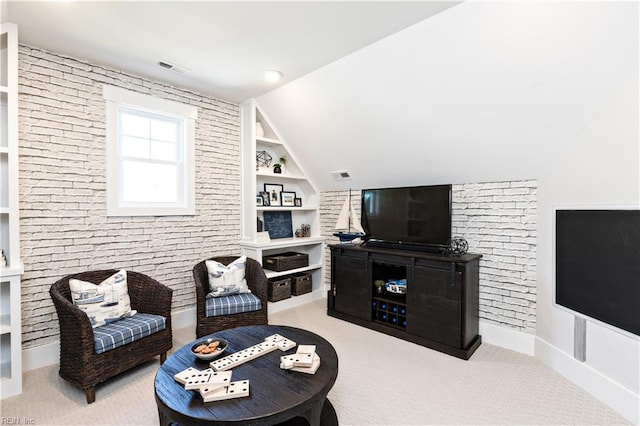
300	283
279	289
285	261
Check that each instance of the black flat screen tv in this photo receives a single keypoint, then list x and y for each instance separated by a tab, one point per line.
597	261
414	218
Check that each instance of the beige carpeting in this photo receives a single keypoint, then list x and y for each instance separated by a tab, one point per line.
382	380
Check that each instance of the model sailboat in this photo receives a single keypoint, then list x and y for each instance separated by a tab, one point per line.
346	221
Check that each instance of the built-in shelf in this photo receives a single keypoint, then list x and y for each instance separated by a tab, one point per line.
292	179
285	176
10	275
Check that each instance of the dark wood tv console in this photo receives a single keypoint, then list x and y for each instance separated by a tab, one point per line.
439	309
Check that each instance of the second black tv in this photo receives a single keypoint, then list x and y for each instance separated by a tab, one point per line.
415	218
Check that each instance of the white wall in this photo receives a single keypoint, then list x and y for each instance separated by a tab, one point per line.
486	92
599	168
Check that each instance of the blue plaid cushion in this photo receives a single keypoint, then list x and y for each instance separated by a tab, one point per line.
235	304
127	330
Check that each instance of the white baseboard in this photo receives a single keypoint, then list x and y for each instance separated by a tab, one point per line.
507	338
616	396
49	354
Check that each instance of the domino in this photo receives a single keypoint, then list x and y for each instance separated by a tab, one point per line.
184	375
270	344
237	389
309	370
303	357
210	379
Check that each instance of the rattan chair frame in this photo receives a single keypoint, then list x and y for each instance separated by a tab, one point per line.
79	364
258	284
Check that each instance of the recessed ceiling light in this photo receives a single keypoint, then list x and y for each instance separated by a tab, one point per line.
272	75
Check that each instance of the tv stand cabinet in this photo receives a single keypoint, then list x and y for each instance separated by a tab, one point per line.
439	309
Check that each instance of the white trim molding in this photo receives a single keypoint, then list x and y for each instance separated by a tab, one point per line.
616	396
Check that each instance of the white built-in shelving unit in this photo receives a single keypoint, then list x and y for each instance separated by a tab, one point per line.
293	179
10	327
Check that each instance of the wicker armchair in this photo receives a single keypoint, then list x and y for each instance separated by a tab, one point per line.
257	282
79	364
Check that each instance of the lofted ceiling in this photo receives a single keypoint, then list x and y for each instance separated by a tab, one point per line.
484	91
223	46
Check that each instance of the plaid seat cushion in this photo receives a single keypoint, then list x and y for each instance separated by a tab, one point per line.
126	330
234	304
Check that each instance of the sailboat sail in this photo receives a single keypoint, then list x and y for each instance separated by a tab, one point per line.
343	220
355	221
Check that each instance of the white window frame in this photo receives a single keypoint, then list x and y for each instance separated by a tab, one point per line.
116	98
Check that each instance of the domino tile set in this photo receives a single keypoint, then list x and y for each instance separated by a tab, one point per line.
305	360
214	383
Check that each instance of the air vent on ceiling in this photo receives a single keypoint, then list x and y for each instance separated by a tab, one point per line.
172	67
341	175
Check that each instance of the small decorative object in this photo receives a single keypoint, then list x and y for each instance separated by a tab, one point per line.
457	246
259	130
297	202
274	191
260	225
287	198
379	286
396	286
3	258
282	161
259	201
306	230
348	221
263	159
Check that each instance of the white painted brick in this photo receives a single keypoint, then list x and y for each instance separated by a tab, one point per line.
64	229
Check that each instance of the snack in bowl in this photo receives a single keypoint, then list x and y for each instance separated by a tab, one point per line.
209	349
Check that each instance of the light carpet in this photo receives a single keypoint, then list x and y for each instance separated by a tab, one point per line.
382	380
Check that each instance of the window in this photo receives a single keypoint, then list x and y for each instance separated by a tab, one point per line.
150	155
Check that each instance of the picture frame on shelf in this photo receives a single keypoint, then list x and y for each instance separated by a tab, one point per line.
297	202
266	200
274	190
259	201
278	224
287	198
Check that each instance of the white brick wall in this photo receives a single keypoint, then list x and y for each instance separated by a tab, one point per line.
64	228
498	220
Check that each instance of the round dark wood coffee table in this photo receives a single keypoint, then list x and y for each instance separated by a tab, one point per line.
275	395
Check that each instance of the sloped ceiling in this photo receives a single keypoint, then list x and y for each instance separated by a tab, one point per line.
223	46
484	91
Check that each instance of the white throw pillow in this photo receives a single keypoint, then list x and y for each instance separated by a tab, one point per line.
225	279
105	302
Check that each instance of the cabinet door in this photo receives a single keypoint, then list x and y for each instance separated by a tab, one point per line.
351	285
434	305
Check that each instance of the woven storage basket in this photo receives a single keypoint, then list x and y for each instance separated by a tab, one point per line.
285	261
300	283
279	289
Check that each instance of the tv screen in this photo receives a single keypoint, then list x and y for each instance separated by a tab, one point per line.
412	215
598	265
